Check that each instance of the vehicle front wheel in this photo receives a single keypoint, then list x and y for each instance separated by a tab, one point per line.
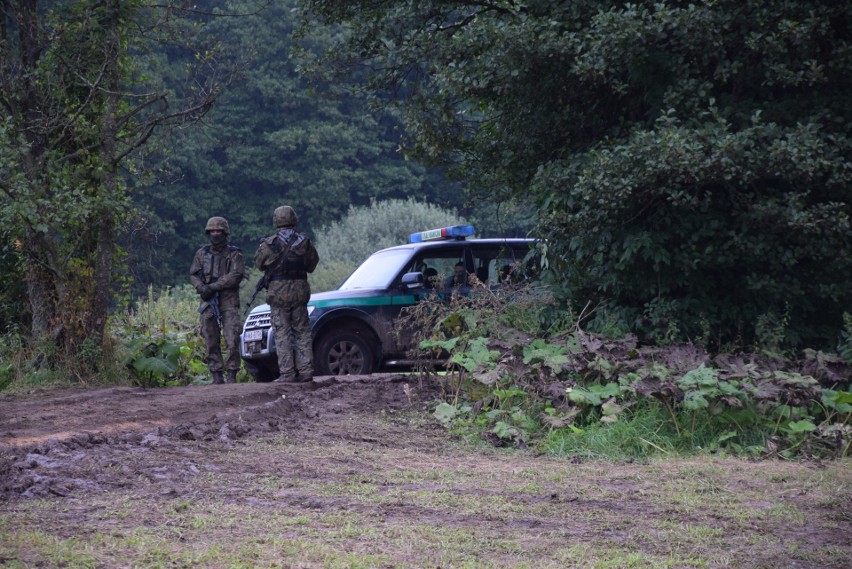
260	373
344	352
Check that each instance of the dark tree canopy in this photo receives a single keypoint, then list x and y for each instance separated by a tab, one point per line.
75	112
271	139
690	160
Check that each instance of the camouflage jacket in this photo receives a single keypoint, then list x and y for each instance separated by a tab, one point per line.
286	258
222	268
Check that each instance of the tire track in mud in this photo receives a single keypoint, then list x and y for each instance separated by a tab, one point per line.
92	440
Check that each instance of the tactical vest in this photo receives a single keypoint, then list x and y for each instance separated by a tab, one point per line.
290	262
216	264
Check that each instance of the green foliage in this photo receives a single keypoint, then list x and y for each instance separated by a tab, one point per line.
689	160
26	365
445	413
770	330
160	342
329	274
159	312
271	139
575	393
593	395
844	347
702	389
638	436
13	298
548	355
77	112
7	375
364	230
162	362
476	355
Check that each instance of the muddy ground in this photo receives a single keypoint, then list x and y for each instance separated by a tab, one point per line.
356	473
59	430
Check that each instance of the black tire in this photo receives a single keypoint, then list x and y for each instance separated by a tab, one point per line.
260	373
344	352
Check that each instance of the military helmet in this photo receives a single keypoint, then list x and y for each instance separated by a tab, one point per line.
217	223
284	216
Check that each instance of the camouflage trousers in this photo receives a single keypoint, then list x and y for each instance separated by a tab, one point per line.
210	331
293	340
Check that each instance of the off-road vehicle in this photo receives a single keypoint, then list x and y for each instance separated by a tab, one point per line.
355	328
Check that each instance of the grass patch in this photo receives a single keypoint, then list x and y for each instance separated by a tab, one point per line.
316	500
645	434
640	436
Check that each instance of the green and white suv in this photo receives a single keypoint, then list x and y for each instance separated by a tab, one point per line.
355	327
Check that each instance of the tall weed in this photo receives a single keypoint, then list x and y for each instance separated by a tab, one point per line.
844	347
160	342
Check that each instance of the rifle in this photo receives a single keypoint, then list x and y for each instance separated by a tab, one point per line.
264	280
261	284
213	303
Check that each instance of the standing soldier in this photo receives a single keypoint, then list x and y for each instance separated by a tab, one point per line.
216	272
286	258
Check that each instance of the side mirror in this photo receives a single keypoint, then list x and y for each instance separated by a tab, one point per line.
413	280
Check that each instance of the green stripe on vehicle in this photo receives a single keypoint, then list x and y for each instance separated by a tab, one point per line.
369	301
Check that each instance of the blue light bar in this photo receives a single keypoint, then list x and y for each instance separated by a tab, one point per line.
452	232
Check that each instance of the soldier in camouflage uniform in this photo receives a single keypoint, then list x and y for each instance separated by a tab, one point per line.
286	258
216	272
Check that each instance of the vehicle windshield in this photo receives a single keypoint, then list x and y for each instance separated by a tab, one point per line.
377	271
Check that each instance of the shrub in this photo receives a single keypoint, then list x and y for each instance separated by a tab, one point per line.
575	393
364	230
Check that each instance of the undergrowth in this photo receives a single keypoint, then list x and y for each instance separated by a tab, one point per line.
155	343
519	377
160	341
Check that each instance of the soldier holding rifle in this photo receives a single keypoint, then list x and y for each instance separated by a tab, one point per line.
216	272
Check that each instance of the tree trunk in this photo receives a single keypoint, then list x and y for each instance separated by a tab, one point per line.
105	248
41	303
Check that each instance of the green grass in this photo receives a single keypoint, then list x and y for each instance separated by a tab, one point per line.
647	433
465	510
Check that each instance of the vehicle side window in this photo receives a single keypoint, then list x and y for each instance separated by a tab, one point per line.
437	266
501	265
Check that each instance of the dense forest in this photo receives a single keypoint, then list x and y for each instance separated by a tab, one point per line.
689	160
271	139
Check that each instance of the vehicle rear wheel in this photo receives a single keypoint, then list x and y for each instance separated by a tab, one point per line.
344	352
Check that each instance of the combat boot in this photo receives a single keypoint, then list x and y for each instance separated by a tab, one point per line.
217	378
232	376
285	379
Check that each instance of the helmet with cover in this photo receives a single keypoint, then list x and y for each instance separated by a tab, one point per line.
219	223
284	216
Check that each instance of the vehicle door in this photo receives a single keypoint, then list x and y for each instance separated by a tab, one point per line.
437	267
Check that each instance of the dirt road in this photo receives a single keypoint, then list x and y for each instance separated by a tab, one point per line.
355	473
87	419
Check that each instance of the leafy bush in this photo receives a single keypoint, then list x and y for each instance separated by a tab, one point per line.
329	274
160	340
576	393
343	245
690	160
844	347
161	362
364	230
13	296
